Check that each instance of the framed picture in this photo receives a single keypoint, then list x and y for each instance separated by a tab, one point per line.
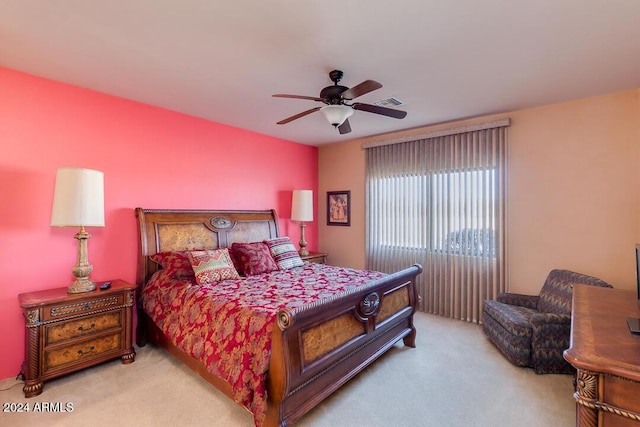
339	208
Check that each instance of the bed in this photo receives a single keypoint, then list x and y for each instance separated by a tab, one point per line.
314	348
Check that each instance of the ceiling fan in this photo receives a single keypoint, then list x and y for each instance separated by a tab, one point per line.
338	108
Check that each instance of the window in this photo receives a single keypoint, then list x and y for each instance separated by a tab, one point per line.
444	229
440	202
455	231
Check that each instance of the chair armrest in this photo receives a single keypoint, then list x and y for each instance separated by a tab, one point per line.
529	301
550	331
541	319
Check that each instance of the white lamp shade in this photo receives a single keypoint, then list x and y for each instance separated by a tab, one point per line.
337	114
78	199
302	205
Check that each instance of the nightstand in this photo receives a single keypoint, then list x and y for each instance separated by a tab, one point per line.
317	257
68	332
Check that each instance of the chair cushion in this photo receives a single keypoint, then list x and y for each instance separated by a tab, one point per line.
515	319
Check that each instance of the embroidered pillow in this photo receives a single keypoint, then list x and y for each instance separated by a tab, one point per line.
176	264
212	266
252	258
284	253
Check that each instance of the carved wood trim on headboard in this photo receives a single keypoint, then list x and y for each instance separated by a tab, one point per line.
177	230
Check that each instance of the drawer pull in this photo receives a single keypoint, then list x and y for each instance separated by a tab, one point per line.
86	306
82	353
82	329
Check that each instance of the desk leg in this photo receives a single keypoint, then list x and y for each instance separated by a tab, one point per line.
586	396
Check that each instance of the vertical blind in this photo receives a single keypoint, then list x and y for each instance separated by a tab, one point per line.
440	201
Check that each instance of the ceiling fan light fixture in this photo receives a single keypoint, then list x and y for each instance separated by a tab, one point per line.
337	114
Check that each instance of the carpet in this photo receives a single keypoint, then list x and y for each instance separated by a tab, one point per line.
454	377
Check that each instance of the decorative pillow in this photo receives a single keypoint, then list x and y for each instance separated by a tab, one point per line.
284	253
176	264
252	258
212	266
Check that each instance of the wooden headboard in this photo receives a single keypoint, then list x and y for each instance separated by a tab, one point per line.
162	230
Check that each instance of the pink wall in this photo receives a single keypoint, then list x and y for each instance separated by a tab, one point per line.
152	158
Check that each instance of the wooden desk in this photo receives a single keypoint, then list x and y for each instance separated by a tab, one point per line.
606	356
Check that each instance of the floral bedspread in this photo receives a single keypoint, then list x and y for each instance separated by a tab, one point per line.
228	324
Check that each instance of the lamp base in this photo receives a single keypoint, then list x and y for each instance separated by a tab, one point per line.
81	285
82	269
303	242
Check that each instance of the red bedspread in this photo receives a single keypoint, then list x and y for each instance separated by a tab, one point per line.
228	325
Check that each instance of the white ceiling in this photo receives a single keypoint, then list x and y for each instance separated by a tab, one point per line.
222	60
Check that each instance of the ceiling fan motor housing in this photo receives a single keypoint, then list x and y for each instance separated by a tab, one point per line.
331	94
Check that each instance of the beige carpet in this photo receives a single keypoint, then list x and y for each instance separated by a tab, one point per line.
454	377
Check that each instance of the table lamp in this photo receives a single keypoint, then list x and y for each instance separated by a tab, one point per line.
78	201
302	210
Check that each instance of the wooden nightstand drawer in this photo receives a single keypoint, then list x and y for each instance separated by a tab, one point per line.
83	350
61	311
60	332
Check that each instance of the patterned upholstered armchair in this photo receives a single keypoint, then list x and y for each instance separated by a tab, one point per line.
534	331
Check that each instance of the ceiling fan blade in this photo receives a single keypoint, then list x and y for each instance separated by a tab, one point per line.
361	89
284	95
389	112
297	116
345	127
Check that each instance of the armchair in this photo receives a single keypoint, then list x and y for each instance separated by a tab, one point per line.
534	330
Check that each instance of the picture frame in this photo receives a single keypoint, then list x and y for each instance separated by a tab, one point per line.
339	208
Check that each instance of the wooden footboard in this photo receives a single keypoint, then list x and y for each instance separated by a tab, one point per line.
313	352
